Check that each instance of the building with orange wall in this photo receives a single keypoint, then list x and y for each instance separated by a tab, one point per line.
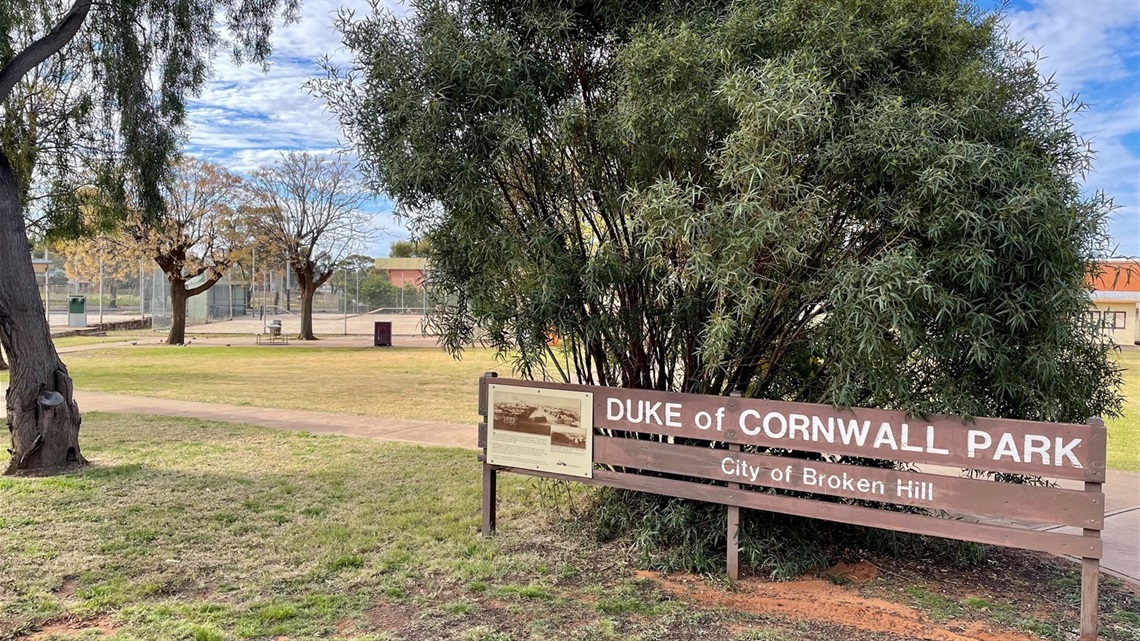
405	271
1116	295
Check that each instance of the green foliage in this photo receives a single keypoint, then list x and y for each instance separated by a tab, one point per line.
109	109
671	534
377	292
863	202
408	248
855	202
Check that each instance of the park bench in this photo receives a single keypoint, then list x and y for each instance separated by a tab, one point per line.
272	333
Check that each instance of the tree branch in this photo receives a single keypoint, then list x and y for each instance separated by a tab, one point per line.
44	48
210	282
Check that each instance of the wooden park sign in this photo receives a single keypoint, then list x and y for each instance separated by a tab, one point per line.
690	446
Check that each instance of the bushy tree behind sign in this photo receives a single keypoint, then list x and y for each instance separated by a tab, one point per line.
871	203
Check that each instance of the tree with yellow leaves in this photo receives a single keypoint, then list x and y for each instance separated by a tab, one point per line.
200	234
112	258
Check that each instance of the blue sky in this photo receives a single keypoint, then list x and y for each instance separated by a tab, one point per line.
1092	47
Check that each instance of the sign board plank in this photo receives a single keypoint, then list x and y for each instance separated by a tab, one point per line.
1051	542
1051	506
1056	450
687	426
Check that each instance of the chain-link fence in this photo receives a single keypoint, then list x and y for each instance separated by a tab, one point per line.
147	295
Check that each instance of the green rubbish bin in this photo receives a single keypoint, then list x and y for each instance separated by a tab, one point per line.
77	311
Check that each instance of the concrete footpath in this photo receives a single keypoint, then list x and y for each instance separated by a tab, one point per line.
1121	534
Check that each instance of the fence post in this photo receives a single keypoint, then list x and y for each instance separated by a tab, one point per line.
490	475
1090	567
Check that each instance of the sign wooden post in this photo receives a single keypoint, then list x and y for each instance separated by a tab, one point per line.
732	561
1090	566
490	474
585	433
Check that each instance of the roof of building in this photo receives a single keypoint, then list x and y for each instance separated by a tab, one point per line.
1116	297
1118	276
420	264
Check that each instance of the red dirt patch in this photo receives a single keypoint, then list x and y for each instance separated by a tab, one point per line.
856	573
67	590
387	617
823	601
72	627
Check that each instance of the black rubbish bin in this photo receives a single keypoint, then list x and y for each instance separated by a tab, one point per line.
382	334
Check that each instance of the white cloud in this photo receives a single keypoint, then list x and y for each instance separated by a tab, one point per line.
245	117
1082	41
1090	47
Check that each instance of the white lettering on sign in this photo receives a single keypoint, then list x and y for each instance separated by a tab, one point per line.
886	437
644	412
930	443
768	425
1067	452
851	432
915	490
978	442
844	483
739	468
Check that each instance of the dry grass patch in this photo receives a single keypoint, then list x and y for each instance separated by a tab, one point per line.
400	382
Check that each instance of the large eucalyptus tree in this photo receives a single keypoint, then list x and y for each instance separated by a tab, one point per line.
136	62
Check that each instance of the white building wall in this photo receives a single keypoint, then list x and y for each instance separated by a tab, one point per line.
1120	320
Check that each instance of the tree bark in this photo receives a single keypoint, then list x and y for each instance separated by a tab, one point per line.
44	48
308	291
179	295
114	287
178	298
43	417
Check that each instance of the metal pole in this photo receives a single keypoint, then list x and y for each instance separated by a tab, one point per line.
345	293
142	291
253	279
100	287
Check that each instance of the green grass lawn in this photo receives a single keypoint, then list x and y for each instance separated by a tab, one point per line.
197	531
1124	432
191	530
406	383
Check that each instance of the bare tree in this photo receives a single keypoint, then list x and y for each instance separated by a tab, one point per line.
313	213
200	235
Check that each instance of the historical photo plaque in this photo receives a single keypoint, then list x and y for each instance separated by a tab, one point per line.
541	429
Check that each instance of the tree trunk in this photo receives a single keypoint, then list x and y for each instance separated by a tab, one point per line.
114	287
178	298
3	363
43	418
308	290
